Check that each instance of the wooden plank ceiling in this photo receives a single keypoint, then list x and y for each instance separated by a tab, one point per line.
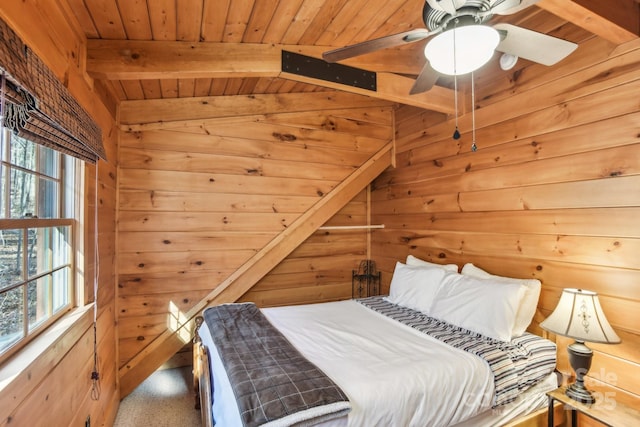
232	47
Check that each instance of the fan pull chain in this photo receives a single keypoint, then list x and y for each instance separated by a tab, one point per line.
456	133
474	147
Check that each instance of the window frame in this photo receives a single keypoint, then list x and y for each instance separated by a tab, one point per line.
70	205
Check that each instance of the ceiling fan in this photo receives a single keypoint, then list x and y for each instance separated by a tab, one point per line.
462	41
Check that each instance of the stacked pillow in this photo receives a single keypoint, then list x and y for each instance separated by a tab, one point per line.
527	308
415	287
479	305
494	306
417	262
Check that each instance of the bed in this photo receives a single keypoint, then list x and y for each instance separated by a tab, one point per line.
428	354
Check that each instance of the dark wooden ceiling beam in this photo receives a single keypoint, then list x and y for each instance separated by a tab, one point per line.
617	22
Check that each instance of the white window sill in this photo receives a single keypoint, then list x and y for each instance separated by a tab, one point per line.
23	371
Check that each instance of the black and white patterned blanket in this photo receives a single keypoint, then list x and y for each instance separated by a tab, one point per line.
516	365
274	385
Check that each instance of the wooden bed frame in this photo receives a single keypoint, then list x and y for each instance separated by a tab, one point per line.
201	377
203	397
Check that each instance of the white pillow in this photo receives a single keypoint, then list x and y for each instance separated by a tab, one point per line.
415	287
529	303
479	305
411	260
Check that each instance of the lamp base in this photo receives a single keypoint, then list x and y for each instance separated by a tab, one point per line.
580	394
580	359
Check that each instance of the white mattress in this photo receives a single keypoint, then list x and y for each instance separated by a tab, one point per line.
392	374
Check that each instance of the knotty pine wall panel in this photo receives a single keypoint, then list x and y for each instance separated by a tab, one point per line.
320	268
197	202
553	193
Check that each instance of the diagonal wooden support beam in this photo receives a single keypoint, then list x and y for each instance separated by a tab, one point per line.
142	60
241	280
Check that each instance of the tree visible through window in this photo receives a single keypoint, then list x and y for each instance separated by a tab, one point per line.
36	239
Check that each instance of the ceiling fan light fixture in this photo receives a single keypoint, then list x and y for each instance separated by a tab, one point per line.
473	46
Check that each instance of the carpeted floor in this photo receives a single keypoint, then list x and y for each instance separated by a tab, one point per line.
163	399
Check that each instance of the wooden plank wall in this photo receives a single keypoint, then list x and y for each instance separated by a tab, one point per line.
57	386
553	191
320	268
198	200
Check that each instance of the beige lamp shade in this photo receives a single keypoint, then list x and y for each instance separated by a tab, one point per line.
579	315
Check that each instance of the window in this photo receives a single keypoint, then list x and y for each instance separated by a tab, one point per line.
37	232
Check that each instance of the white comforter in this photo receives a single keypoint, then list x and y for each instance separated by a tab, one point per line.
392	374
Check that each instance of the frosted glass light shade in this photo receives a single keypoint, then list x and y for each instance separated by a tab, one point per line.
474	47
579	315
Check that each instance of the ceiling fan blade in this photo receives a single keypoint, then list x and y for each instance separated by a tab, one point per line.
376	44
426	79
509	7
531	45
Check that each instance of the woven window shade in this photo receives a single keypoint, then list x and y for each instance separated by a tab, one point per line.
37	106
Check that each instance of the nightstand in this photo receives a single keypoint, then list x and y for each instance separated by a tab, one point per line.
608	409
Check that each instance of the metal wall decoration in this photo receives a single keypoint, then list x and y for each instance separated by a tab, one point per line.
365	281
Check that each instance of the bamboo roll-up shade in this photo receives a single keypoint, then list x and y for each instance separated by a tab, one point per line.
37	106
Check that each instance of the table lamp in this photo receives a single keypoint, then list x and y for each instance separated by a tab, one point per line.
579	315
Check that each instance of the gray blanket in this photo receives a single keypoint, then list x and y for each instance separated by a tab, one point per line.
274	385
